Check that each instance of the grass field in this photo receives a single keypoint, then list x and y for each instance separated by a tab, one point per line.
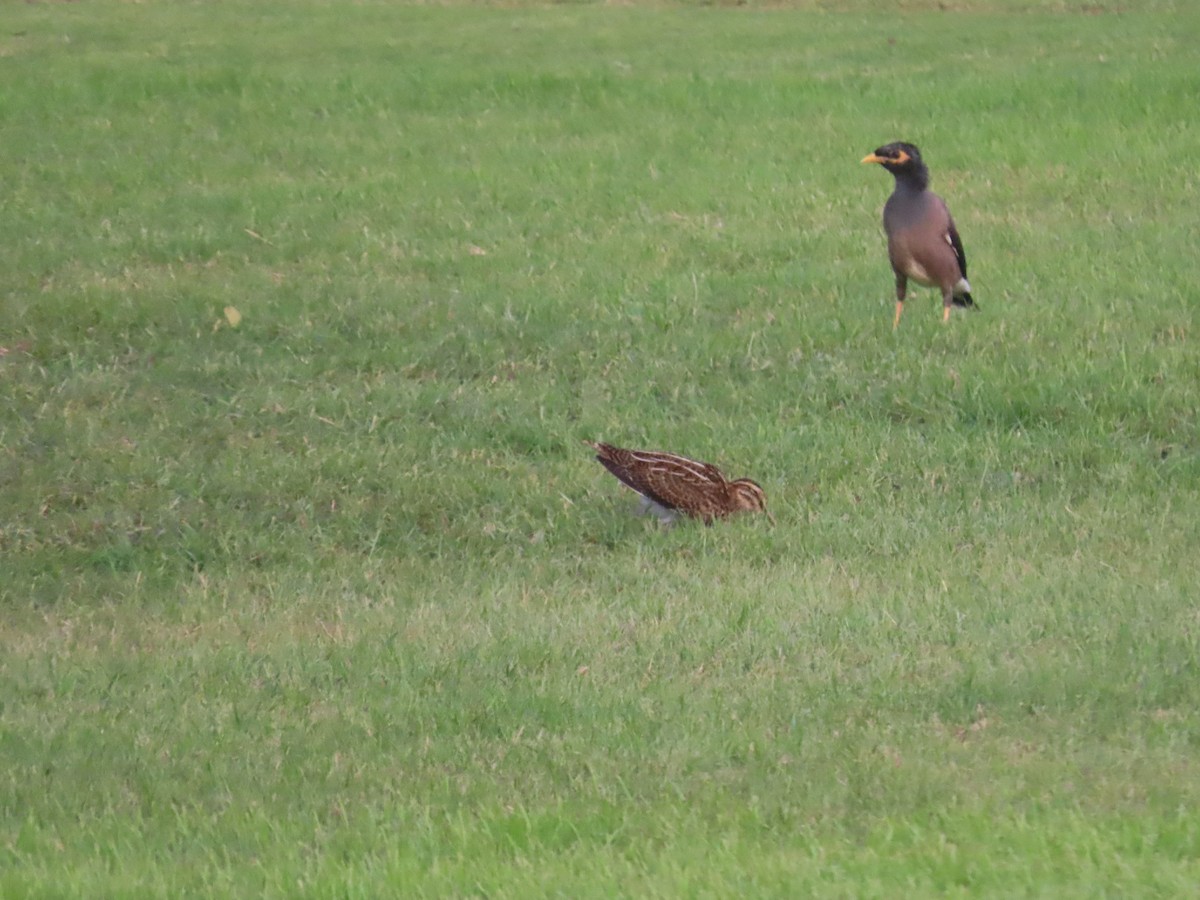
323	595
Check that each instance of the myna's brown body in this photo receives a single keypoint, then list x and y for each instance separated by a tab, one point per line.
923	243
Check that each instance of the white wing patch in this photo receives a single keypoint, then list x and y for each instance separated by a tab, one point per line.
664	515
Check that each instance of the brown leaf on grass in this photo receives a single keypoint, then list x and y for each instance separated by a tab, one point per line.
476	250
232	316
18	347
258	237
981	722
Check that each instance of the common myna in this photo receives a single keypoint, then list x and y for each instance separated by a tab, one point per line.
923	243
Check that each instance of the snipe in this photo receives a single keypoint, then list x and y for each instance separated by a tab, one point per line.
671	485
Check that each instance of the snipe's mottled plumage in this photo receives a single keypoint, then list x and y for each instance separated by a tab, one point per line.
671	484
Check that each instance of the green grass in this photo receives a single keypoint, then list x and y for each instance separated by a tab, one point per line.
335	603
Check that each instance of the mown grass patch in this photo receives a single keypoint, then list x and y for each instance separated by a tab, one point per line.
333	599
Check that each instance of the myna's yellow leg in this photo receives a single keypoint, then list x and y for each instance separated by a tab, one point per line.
901	291
945	314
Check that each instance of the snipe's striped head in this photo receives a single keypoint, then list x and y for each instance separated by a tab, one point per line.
747	496
672	485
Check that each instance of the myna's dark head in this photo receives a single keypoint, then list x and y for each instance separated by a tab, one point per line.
899	158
